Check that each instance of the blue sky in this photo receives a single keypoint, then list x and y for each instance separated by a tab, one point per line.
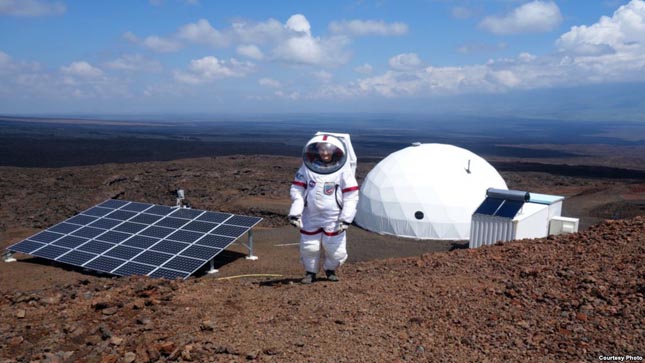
564	58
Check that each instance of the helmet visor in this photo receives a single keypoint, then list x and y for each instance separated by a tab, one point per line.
324	157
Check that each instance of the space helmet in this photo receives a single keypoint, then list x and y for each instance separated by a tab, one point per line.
324	154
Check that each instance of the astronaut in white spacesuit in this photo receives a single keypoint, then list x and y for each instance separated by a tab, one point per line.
324	196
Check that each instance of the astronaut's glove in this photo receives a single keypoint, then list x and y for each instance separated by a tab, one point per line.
342	226
295	221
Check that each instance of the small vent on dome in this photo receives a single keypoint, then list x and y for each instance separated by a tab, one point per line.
416	144
418	215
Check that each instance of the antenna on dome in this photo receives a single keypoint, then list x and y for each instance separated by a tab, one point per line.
468	167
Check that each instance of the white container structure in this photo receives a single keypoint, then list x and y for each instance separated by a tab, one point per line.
507	215
562	225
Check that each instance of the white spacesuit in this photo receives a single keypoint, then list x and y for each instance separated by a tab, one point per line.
324	195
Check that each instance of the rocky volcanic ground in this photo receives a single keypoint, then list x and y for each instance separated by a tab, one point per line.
575	297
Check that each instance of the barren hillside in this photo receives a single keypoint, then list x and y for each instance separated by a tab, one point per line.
568	298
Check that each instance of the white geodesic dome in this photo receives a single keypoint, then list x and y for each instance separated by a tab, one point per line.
426	191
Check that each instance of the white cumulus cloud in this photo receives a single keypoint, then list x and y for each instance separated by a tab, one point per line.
258	33
301	47
474	48
299	23
364	69
162	45
609	51
31	8
323	76
82	69
292	42
4	58
134	62
269	82
527	71
131	37
534	17
405	61
367	27
210	68
250	51
304	49
624	33
202	32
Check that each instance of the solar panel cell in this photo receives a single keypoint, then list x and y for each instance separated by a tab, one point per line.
130	227
141	241
121	215
123	252
186	213
104	264
104	223
154	231
243	221
171	247
97	211
26	246
161	210
230	231
113	237
64	228
46	237
88	232
133	268
184	236
153	258
184	264
77	258
199	226
215	241
96	247
214	217
136	207
201	252
146	218
70	241
171	222
50	252
81	219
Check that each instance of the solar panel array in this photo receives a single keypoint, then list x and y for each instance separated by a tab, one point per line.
130	238
499	207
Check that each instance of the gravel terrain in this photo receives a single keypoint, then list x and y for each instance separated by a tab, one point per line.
573	298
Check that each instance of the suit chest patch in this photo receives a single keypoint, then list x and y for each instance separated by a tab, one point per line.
329	188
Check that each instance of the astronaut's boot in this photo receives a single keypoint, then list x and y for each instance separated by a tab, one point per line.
309	278
331	275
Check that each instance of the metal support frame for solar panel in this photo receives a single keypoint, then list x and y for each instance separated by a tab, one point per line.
130	238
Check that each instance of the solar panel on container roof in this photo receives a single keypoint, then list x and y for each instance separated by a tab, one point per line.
499	207
489	206
131	238
509	209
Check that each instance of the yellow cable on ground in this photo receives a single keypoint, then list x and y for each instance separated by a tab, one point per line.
249	275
